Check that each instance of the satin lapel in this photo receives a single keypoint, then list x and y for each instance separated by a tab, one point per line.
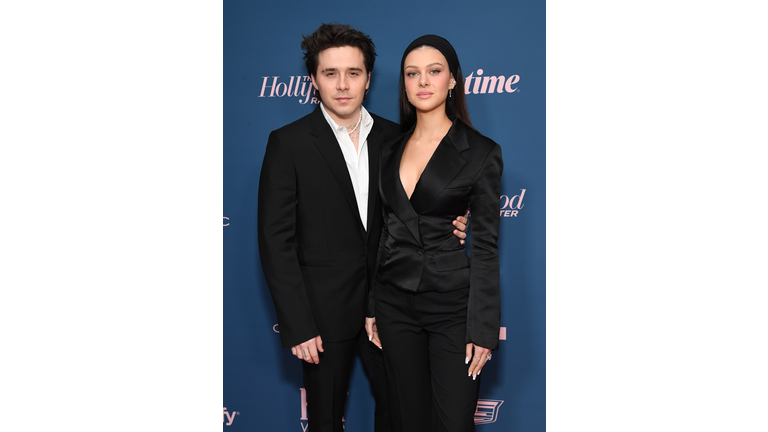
326	143
392	188
444	165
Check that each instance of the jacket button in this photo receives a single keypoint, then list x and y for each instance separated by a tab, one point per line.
421	251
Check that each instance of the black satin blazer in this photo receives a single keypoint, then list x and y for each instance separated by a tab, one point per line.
418	251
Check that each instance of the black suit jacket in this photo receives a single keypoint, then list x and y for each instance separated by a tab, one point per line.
316	255
418	251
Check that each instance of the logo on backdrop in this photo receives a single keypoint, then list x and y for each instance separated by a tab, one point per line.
487	410
476	83
298	86
275	328
511	205
229	417
226	221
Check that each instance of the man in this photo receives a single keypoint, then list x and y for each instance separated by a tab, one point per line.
320	222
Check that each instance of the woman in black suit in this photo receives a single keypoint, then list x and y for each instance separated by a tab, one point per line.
436	309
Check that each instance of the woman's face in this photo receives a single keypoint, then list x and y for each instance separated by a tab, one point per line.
427	79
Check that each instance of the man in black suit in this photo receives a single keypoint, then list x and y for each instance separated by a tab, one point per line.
319	223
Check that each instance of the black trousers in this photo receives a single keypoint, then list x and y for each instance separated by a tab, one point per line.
423	339
327	382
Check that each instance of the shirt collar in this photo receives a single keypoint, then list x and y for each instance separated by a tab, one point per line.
366	121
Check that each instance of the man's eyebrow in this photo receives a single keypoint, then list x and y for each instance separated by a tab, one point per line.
333	69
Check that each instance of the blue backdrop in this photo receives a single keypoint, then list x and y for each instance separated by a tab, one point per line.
501	46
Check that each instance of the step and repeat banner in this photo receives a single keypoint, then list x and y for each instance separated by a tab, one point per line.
501	47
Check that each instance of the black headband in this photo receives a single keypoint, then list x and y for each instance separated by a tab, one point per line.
439	44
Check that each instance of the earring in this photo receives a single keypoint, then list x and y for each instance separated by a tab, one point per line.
449	92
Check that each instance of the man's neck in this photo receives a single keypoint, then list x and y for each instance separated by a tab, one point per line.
349	121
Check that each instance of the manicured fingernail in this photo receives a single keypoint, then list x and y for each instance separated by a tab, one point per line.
370	337
473	377
469	374
466	360
479	372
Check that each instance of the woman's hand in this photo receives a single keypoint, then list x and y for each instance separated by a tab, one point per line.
478	357
373	333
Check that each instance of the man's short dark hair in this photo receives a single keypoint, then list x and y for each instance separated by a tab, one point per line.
334	36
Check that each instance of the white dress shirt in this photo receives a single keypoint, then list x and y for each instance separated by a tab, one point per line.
357	160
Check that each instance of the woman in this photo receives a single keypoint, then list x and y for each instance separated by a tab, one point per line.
436	309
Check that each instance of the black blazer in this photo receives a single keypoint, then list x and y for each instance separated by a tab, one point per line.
418	251
316	255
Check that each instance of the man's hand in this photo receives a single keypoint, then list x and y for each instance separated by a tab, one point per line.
373	332
307	351
461	227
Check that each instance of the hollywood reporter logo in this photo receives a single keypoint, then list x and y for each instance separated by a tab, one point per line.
511	205
300	86
296	86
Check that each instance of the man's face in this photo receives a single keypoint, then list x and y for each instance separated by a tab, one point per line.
342	80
